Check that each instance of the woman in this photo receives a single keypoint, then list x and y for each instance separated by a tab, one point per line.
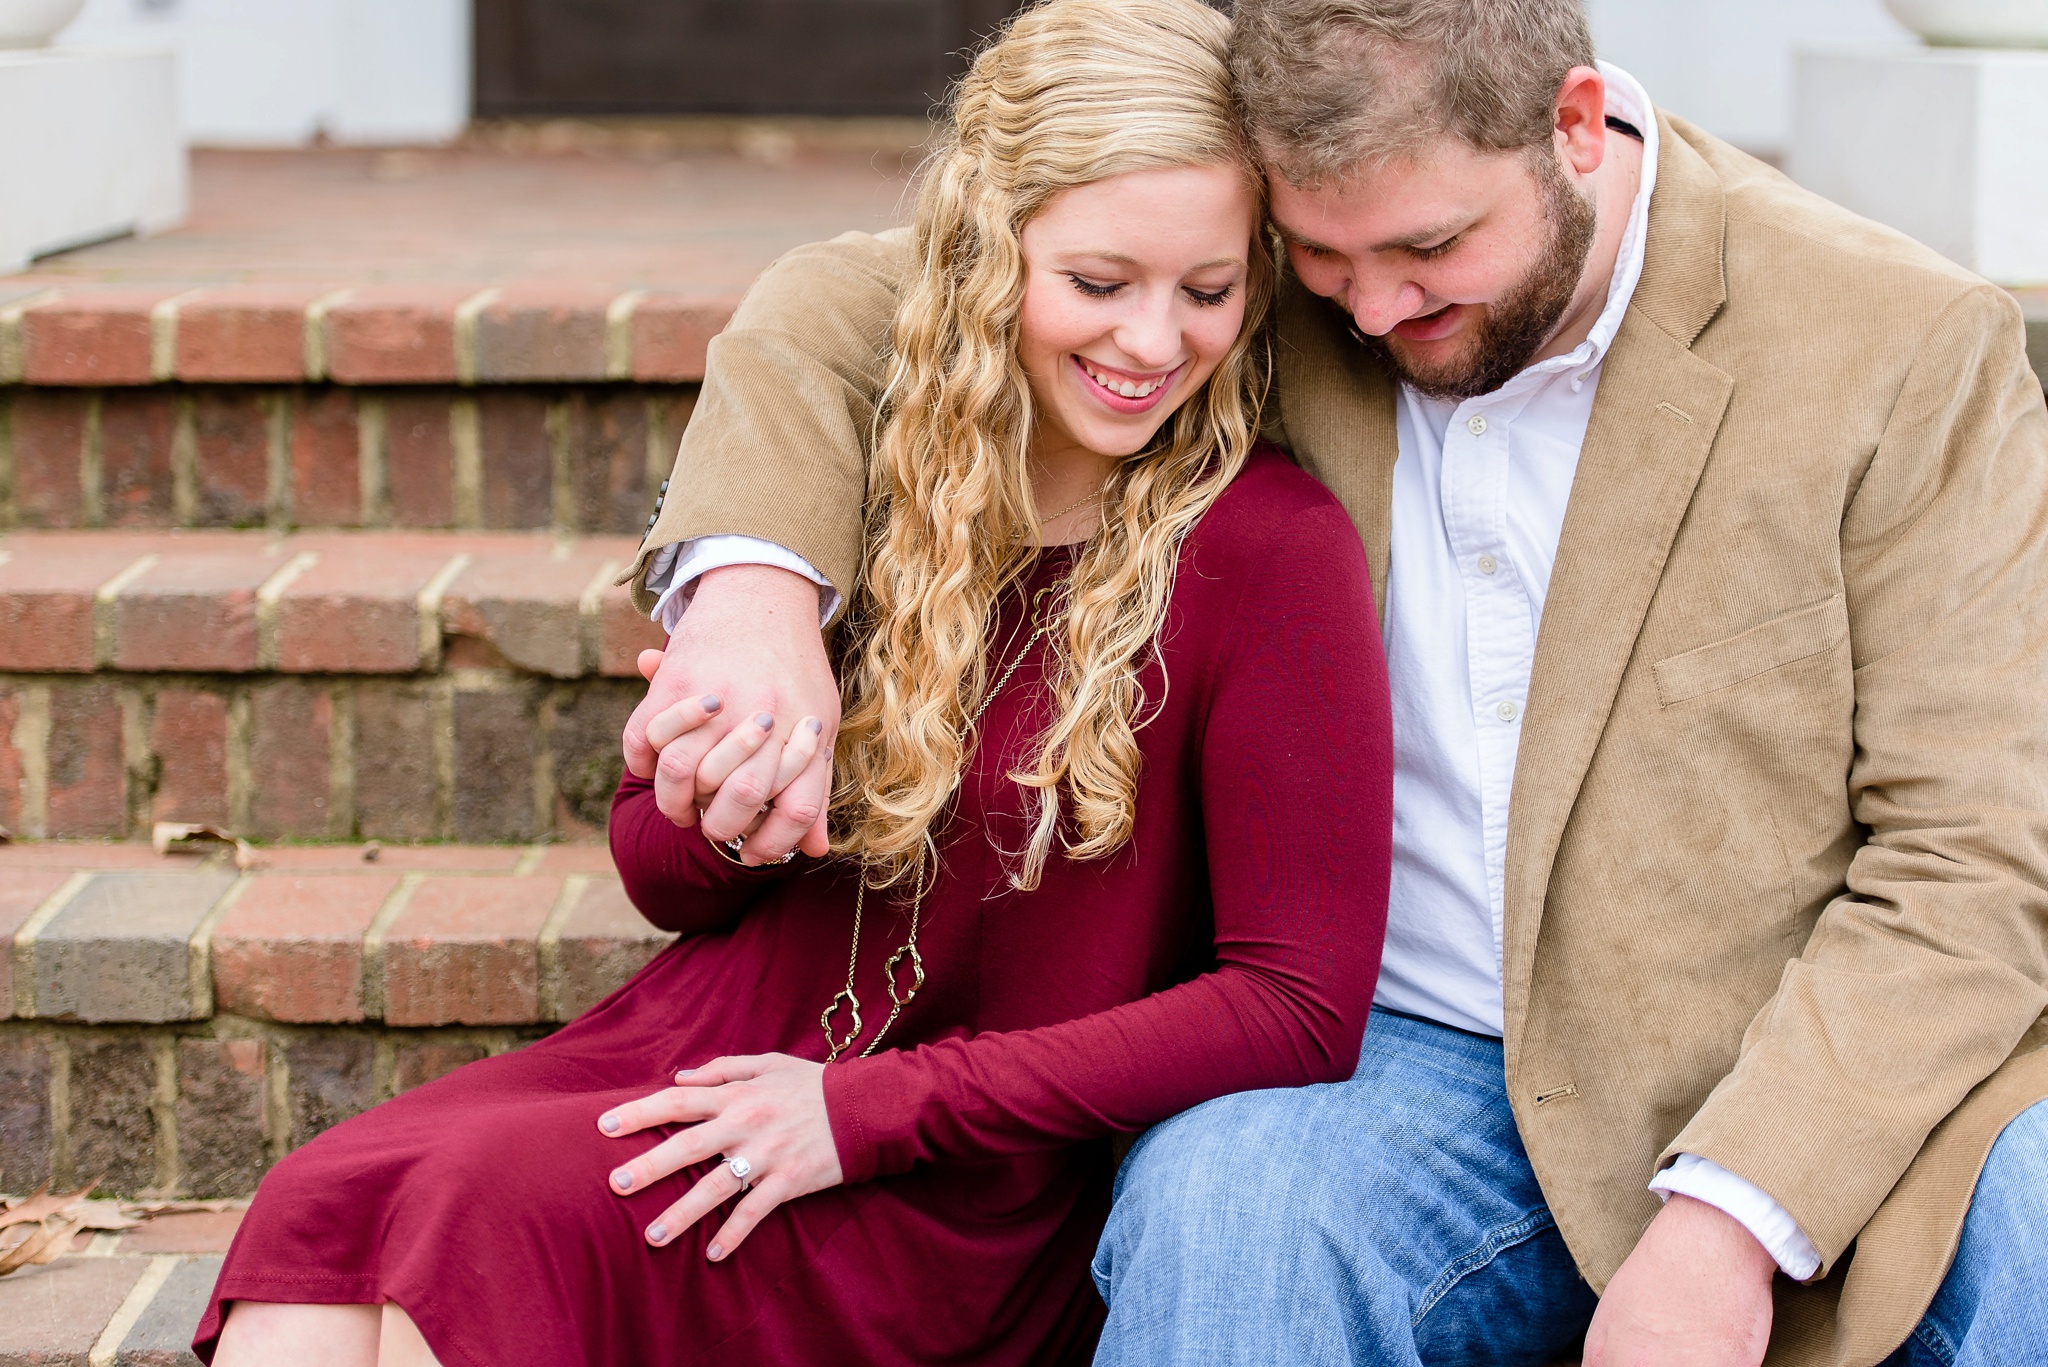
1111	836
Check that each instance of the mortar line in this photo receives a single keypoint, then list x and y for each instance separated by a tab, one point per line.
107	1348
341	763
103	607
277	493
185	462
25	940
92	501
31	740
373	478
7	508
428	605
589	619
618	334
267	595
199	949
466	442
12	344
163	335
163	1109
373	943
529	860
548	945
314	338
466	315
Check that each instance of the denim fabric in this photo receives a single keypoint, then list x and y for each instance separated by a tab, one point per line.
1393	1220
1992	1309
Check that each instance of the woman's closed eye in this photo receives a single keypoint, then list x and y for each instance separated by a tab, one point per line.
1210	299
1094	289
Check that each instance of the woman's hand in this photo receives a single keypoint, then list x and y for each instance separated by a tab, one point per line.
768	1109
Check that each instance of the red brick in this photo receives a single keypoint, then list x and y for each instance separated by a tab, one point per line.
89	855
291	947
20	895
395	791
671	332
390	858
10	772
356	611
25	1109
185	1231
327	489
608	460
525	607
583	744
331	1077
518	459
623	631
135	456
113	1132
54	1314
464	952
191	610
46	602
49	449
419	1064
590	858
543	331
395	334
245	334
188	734
231	428
290	725
220	1116
496	743
88	778
95	335
419	460
604	941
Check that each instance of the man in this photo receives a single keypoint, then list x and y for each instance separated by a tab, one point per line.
1709	525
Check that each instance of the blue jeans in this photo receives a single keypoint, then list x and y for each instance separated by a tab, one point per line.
1394	1220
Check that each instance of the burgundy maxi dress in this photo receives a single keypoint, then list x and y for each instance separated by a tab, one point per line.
1232	944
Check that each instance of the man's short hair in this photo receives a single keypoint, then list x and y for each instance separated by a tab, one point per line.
1326	85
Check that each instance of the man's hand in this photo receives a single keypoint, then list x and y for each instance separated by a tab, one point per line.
1696	1292
750	640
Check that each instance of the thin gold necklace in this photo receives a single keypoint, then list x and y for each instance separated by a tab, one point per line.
1041	624
1071	507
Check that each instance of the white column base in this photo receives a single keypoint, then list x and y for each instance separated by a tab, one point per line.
89	148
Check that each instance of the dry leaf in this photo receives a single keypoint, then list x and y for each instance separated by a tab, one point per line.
188	837
46	1245
102	1215
40	1205
5	835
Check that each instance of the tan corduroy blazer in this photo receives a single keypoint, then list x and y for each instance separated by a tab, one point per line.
1776	850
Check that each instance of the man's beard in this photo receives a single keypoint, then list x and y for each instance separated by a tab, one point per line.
1513	328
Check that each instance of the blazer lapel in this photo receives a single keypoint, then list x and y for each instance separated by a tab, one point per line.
1653	424
1337	411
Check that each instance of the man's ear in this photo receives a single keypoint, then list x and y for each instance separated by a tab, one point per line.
1581	127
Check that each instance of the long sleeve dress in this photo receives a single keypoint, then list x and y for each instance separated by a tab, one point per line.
1231	944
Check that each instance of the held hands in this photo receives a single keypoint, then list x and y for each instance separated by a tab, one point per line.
749	648
1696	1292
768	1110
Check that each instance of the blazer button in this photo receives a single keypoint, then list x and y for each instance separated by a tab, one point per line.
664	487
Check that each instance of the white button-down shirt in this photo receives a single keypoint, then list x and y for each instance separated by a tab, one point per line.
1480	490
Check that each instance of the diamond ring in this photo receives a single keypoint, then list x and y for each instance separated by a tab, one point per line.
741	1169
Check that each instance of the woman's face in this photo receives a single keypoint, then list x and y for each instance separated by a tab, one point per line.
1134	292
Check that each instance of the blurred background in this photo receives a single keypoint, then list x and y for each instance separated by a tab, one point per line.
285	72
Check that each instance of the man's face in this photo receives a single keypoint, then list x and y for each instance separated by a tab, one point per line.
1456	265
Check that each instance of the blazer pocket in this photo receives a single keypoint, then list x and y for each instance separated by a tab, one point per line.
1798	635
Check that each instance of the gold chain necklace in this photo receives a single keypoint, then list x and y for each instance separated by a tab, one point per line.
898	999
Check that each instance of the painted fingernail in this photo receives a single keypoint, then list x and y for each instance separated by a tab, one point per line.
623	1180
657	1233
765	720
610	1124
682	1073
714	1253
711	702
815	725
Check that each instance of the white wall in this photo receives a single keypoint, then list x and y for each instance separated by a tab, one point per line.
280	72
1727	64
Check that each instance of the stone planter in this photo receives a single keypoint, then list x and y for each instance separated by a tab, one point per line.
32	23
1975	23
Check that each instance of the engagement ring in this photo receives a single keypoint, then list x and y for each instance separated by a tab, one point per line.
740	1168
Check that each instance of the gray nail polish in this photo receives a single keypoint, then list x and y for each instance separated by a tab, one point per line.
623	1180
765	720
686	1072
816	726
714	1253
610	1124
711	702
657	1233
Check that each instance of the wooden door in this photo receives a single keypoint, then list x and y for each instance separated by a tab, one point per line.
541	57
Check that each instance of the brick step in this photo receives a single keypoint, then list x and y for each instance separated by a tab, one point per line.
110	1305
575	459
321	685
176	1025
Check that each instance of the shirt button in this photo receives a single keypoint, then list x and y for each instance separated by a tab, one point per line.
1487	564
1476	425
1506	711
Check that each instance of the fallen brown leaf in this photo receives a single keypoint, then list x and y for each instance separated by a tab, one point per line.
40	1204
189	837
102	1215
46	1245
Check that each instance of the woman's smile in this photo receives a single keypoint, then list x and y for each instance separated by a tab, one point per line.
1123	391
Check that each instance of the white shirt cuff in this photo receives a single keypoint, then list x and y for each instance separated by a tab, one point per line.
1748	1204
676	568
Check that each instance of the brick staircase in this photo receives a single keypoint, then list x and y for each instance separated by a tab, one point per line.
310	515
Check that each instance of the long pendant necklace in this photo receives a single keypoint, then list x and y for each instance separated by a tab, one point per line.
900	996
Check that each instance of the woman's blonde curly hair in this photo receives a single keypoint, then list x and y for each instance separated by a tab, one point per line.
1072	92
